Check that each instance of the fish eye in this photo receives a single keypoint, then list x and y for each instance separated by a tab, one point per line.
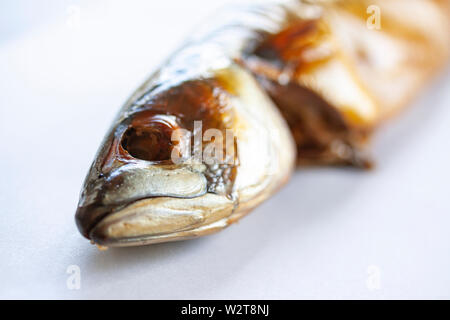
151	142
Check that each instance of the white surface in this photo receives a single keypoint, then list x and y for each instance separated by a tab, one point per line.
318	238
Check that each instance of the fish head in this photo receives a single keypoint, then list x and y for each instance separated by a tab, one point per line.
148	185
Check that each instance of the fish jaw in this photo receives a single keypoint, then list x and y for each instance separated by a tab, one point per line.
107	194
163	219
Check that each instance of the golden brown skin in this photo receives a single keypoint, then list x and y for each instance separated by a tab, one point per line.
302	66
319	129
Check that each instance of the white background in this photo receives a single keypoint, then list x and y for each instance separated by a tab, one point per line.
330	233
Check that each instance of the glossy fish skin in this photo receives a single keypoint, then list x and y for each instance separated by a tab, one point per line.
233	74
349	75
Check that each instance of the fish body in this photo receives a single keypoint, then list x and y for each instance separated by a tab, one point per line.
219	127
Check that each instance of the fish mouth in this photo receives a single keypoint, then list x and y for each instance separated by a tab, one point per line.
161	219
134	187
